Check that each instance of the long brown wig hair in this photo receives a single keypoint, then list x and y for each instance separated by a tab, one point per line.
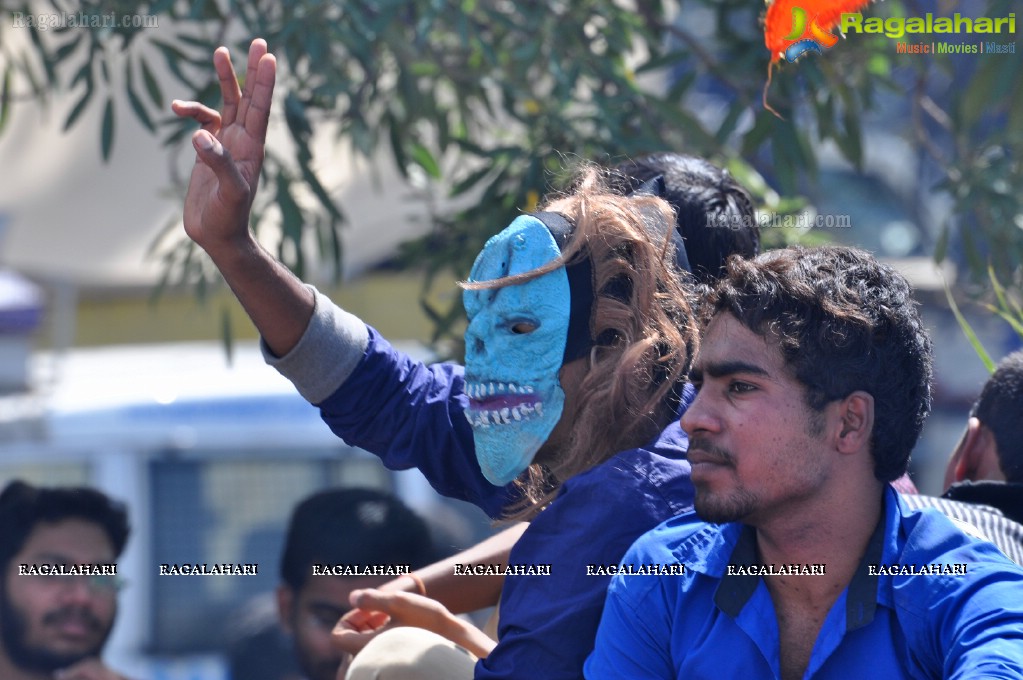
642	324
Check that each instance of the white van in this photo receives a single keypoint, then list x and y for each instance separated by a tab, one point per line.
209	457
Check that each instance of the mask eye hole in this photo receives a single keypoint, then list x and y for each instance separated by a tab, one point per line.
523	327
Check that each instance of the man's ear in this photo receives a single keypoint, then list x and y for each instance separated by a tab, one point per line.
285	606
976	457
856	422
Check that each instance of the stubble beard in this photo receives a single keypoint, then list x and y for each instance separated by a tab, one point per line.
735	507
13	634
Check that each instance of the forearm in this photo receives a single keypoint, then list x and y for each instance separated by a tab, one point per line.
278	303
468	636
461	594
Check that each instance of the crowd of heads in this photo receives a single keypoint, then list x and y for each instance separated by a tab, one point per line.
656	267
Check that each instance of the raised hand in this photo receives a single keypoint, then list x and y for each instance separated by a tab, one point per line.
229	150
229	157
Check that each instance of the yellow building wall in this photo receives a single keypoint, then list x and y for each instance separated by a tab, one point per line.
387	301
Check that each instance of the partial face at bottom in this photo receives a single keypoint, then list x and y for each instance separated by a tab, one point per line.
51	622
311	614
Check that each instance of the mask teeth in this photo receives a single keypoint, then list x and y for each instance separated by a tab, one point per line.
505	416
480	390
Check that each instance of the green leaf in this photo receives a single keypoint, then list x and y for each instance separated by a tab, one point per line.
139	108
1008	318
84	73
65	50
78	108
1004	302
152	86
424	159
471	181
5	98
979	94
107	134
968	331
291	223
133	99
227	335
174	58
941	248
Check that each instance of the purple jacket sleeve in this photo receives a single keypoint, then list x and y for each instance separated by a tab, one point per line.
411	415
379	399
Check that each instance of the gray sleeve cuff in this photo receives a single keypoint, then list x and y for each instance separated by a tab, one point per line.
327	353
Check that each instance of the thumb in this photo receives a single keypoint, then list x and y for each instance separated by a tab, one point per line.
212	153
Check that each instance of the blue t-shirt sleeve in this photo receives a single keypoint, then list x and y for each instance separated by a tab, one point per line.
633	639
966	625
411	415
987	641
974	622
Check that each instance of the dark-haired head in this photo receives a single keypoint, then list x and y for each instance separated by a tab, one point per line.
353	526
23	507
714	213
1000	409
844	322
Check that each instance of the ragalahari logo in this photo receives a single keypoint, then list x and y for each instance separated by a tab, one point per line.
793	28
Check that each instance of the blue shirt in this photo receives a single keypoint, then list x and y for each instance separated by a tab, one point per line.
708	624
411	415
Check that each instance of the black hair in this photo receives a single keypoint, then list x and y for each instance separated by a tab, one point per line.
1000	409
23	506
356	527
844	322
713	212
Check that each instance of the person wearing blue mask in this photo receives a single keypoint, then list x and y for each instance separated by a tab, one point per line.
579	339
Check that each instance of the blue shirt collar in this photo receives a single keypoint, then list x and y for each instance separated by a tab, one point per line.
706	550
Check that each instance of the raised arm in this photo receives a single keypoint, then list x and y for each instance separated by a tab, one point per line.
229	155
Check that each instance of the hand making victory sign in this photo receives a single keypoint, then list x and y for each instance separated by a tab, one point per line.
229	148
229	156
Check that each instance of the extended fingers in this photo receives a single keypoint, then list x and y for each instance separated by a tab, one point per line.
208	118
257	49
257	114
229	89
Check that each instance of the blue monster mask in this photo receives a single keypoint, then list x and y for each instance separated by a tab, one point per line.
514	349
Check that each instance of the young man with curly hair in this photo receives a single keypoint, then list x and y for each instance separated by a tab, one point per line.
813	381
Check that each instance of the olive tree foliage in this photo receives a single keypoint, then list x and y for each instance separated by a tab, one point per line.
492	99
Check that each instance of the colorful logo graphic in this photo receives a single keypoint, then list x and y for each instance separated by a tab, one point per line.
793	28
800	42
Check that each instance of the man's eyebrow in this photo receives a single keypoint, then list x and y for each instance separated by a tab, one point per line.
718	369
